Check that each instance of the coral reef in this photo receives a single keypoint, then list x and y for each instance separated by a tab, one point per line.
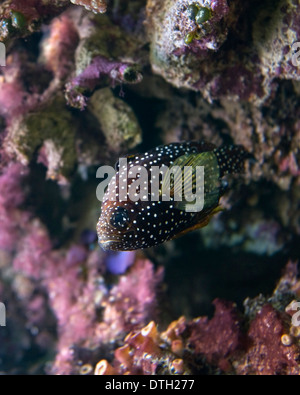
218	61
134	294
19	18
97	57
70	282
90	5
116	119
25	138
42	106
269	345
87	82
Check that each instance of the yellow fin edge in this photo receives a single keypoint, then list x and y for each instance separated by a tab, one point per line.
201	224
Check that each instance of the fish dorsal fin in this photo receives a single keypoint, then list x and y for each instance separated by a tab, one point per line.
129	158
196	180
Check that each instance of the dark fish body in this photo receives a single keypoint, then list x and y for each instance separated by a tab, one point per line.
131	225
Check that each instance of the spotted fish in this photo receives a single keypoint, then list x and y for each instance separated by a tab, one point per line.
130	225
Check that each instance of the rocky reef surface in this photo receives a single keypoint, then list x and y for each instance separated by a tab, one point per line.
86	82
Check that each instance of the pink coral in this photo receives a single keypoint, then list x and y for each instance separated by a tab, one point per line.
16	98
289	164
33	248
12	195
11	98
132	301
128	305
59	48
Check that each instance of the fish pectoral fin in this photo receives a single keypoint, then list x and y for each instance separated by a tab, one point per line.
201	223
196	181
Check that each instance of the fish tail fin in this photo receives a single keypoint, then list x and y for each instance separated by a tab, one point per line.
231	159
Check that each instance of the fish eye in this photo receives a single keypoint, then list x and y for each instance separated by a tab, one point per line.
120	218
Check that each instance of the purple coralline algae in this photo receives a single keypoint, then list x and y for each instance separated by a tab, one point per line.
71	280
225	58
87	82
22	18
228	343
98	62
11	198
21	107
129	304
